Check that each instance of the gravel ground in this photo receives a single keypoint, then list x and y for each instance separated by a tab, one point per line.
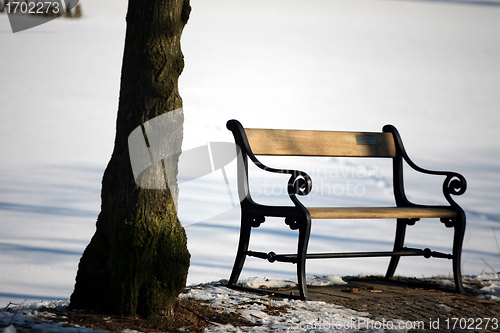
427	304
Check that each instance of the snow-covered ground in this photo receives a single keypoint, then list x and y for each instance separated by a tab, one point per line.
285	316
431	68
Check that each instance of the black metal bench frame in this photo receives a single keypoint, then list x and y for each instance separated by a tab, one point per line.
298	217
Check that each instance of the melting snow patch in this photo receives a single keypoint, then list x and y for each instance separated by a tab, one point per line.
33	317
486	285
490	285
443	307
8	329
442	282
329	280
293	315
256	282
268	315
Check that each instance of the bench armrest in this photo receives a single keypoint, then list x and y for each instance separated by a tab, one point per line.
454	184
299	183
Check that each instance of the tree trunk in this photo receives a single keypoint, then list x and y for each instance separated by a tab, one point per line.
137	260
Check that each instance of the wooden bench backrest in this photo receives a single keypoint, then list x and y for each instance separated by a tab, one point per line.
320	143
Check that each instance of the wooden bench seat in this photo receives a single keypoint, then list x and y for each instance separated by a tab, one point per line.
385	144
381	212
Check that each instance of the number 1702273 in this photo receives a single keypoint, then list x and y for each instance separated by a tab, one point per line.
472	323
39	7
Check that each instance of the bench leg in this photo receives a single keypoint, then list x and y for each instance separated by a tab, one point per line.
242	249
304	232
398	245
458	238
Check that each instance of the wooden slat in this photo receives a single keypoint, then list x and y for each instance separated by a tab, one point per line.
320	143
380	212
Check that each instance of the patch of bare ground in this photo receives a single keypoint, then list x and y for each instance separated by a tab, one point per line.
190	315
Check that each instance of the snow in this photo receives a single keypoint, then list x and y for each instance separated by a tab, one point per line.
431	68
9	329
256	282
250	307
220	298
490	288
293	315
443	307
35	317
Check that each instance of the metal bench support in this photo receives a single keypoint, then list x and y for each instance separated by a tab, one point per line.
298	217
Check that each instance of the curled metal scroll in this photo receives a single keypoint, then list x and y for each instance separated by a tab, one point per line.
455	184
299	183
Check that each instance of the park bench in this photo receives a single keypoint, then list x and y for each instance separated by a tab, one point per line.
385	144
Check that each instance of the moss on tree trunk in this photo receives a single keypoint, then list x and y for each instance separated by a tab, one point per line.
137	260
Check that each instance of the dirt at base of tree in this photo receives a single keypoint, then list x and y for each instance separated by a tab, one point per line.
190	315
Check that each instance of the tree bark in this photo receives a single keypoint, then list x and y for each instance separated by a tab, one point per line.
137	260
